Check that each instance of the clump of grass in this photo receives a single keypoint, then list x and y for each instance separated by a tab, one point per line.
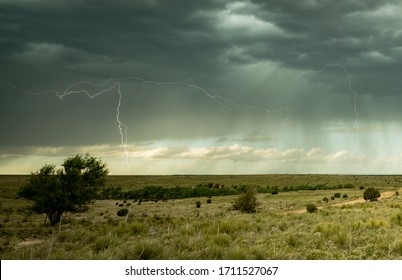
222	240
137	228
397	247
334	232
397	219
103	242
292	241
377	223
148	250
198	204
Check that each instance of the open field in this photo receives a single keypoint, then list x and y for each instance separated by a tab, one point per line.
345	228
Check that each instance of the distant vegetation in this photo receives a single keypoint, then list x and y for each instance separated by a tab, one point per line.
208	190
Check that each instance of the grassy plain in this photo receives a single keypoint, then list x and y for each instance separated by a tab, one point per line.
176	229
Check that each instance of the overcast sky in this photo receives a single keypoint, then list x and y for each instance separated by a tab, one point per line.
179	87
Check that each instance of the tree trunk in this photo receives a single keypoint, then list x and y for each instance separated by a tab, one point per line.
54	217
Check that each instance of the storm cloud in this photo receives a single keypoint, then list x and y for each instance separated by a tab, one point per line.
262	76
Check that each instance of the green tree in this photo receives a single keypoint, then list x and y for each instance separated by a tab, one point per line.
371	194
68	189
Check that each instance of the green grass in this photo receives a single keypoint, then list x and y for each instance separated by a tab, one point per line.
176	229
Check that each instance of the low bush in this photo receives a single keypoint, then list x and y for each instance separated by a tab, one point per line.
371	194
209	200
198	204
345	196
311	208
247	202
122	212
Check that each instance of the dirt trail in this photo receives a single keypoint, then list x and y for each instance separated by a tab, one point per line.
29	242
386	194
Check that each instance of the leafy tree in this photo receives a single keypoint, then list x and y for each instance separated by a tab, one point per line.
371	194
68	189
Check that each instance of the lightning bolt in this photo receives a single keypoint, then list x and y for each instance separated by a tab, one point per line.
114	83
351	90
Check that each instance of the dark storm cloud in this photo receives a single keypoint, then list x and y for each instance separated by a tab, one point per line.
184	36
147	32
51	44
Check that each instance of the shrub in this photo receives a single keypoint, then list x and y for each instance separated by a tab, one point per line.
361	187
247	202
345	196
337	195
396	193
371	194
121	205
332	197
311	208
209	200
198	204
325	199
128	204
122	212
275	192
